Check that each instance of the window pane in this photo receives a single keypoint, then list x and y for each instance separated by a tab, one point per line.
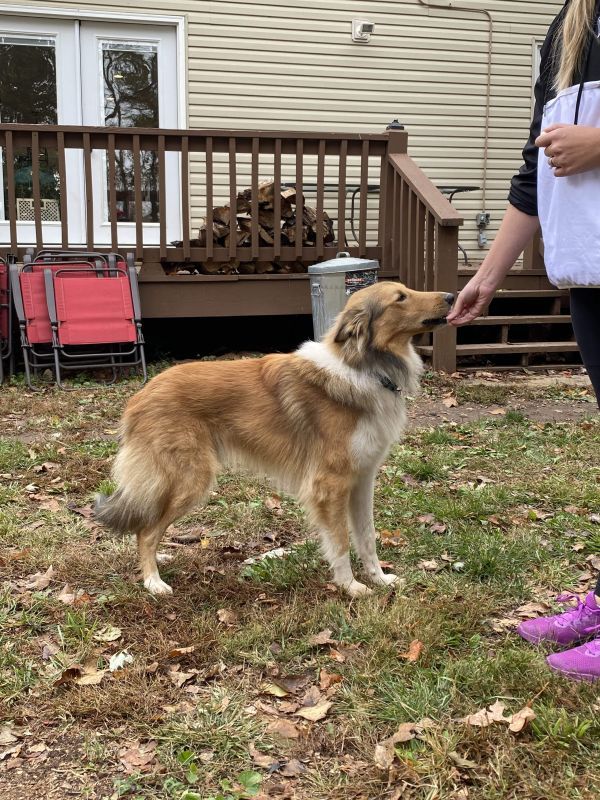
28	95
130	81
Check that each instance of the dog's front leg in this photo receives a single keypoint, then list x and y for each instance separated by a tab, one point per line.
329	507
363	530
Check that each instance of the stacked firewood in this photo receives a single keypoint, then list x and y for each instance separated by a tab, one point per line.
269	228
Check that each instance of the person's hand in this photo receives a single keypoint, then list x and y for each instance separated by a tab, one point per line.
471	302
570	148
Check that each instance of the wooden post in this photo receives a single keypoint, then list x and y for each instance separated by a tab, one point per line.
396	144
445	280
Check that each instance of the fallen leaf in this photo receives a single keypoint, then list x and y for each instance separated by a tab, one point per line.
519	720
438	527
429	566
461	762
293	768
322	638
91	676
273	689
179	679
415	649
532	609
450	401
261	759
82	511
594	518
181	651
226	616
487	716
594	561
426	519
283	728
385	751
40	580
67	676
498	412
328	679
7	736
312	697
109	633
315	713
273	503
136	757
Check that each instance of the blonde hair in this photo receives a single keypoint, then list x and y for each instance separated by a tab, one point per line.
572	40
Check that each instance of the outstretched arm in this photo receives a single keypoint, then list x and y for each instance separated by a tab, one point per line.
514	235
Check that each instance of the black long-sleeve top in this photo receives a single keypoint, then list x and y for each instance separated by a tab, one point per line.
523	188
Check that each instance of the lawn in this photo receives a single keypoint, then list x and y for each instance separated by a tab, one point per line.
260	679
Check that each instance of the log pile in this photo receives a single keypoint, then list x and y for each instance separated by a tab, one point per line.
269	228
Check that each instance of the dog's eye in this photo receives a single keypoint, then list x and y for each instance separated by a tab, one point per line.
401	298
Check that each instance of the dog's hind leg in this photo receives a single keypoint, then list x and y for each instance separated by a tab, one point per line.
192	490
328	506
363	530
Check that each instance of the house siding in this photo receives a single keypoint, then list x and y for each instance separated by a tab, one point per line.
266	65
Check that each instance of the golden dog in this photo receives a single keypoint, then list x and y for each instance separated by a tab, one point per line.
318	421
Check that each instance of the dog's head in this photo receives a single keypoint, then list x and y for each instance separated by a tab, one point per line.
384	317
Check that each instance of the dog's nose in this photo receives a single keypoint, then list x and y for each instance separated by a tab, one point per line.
449	298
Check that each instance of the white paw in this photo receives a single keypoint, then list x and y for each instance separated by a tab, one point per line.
157	586
357	589
164	558
388	580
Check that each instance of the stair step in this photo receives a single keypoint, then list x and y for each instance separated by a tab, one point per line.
511	294
485	348
523	319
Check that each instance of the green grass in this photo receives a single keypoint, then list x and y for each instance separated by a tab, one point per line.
497	504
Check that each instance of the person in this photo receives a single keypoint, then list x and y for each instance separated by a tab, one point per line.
558	185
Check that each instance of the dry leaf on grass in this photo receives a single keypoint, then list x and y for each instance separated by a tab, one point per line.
461	762
227	616
91	676
273	503
177	652
495	713
532	609
273	689
498	412
521	718
450	401
179	679
315	713
261	759
322	638
429	566
415	648
293	769
283	728
328	679
385	751
109	633
40	580
136	757
7	736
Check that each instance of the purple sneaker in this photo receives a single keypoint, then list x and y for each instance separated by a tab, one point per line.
567	628
580	663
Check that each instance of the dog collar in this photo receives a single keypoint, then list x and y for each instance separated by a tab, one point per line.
387	384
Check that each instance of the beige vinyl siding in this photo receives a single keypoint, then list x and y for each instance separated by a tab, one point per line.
269	65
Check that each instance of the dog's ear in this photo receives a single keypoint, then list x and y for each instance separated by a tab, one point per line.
355	323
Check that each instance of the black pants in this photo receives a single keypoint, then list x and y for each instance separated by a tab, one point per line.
585	313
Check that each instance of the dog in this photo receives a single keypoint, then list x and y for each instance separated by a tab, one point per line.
319	422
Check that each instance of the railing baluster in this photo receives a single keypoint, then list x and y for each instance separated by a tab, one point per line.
255	238
112	192
162	197
89	194
137	188
403	232
320	198
364	193
410	243
430	252
232	199
420	244
277	198
396	224
209	197
62	182
383	199
299	196
35	181
185	197
342	196
12	202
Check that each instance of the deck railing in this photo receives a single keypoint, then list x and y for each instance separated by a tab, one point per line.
408	225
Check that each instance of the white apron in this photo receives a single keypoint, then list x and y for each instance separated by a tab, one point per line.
569	207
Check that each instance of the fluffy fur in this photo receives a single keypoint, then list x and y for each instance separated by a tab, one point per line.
319	422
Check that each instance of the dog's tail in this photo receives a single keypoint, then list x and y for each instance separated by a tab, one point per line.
139	500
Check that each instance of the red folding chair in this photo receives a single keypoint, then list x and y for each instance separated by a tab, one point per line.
29	300
101	319
5	326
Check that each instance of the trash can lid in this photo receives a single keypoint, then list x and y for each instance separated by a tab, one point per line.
344	262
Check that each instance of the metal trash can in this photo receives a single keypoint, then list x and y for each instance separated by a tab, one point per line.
332	282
